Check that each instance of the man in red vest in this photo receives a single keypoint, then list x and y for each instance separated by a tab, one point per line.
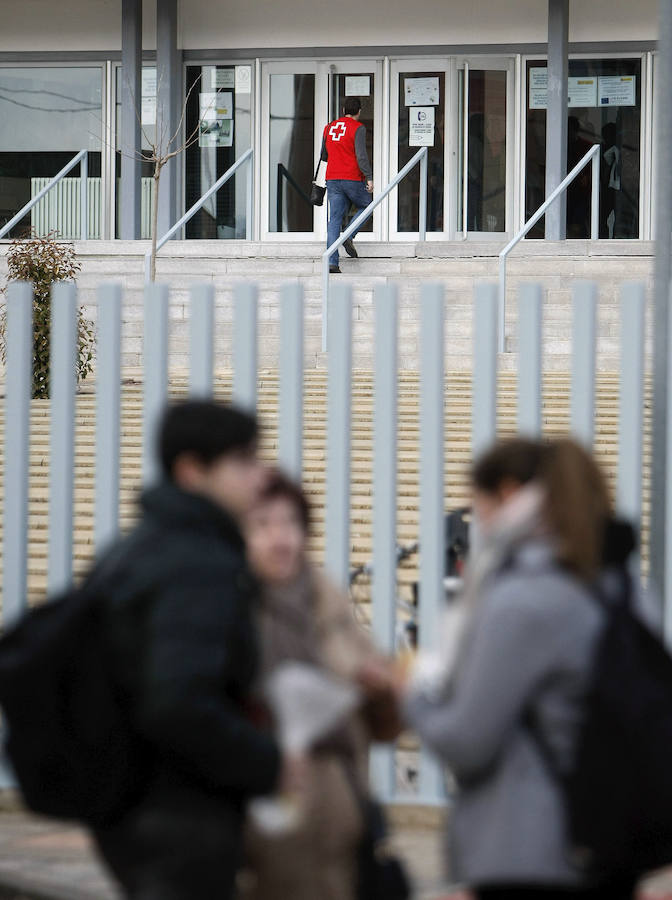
348	167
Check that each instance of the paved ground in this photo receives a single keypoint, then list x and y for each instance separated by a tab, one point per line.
44	860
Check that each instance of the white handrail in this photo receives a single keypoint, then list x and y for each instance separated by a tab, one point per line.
594	154
83	157
247	156
358	221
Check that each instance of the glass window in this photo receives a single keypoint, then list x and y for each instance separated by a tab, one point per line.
147	112
341	87
219	119
291	152
605	108
48	115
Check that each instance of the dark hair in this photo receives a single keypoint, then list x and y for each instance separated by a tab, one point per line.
351	106
577	500
279	486
205	429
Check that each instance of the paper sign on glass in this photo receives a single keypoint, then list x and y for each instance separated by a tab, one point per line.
216	124
538	87
148	104
617	90
222	78
244	79
582	91
421	126
421	91
357	85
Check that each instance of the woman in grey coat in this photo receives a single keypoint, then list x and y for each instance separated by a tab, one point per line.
514	671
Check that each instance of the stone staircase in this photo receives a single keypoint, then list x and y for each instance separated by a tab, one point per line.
457	453
459	266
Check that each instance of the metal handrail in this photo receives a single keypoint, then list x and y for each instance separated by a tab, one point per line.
246	157
81	157
358	221
594	154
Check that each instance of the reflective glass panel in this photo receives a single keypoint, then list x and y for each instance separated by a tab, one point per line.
604	108
48	115
291	152
486	152
356	85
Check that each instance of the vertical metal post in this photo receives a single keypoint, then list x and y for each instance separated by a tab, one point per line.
595	197
290	425
484	394
84	197
556	116
432	510
63	384
168	102
661	524
250	199
245	298
129	122
584	344
529	359
631	412
337	555
156	374
18	384
423	197
201	356
383	771
108	414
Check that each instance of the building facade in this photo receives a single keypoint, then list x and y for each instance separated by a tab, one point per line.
467	80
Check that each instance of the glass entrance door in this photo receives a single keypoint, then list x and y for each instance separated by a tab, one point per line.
420	108
298	99
485	126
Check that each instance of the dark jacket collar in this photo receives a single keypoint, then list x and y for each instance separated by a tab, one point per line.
172	507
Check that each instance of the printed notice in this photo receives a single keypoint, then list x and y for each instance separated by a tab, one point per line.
357	85
148	106
538	88
617	90
581	90
421	126
244	79
222	78
216	125
421	91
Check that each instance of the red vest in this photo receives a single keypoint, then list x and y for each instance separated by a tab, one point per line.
339	139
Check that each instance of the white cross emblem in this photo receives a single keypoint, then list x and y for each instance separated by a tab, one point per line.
337	131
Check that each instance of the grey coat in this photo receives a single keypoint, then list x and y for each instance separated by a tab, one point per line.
528	654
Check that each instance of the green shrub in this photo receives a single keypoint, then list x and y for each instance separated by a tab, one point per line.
43	261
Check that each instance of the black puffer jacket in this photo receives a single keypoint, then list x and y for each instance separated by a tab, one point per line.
179	619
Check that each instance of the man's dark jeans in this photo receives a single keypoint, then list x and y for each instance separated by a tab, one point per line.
341	194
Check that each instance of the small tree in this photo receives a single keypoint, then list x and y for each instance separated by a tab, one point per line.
43	261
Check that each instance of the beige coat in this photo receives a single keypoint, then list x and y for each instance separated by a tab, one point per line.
317	860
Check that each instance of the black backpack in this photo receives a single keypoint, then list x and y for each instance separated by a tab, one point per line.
68	735
619	790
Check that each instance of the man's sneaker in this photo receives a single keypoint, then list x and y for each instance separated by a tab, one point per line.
350	248
334	270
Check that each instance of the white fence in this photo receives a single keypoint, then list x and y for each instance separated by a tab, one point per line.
338	443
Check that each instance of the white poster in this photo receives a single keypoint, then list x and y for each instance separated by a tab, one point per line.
244	79
581	90
538	87
357	85
421	91
222	78
421	126
148	105
617	90
216	122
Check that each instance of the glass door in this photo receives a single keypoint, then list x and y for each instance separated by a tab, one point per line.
291	118
298	99
420	108
485	155
362	79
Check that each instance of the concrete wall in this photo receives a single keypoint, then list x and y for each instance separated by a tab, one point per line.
76	25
